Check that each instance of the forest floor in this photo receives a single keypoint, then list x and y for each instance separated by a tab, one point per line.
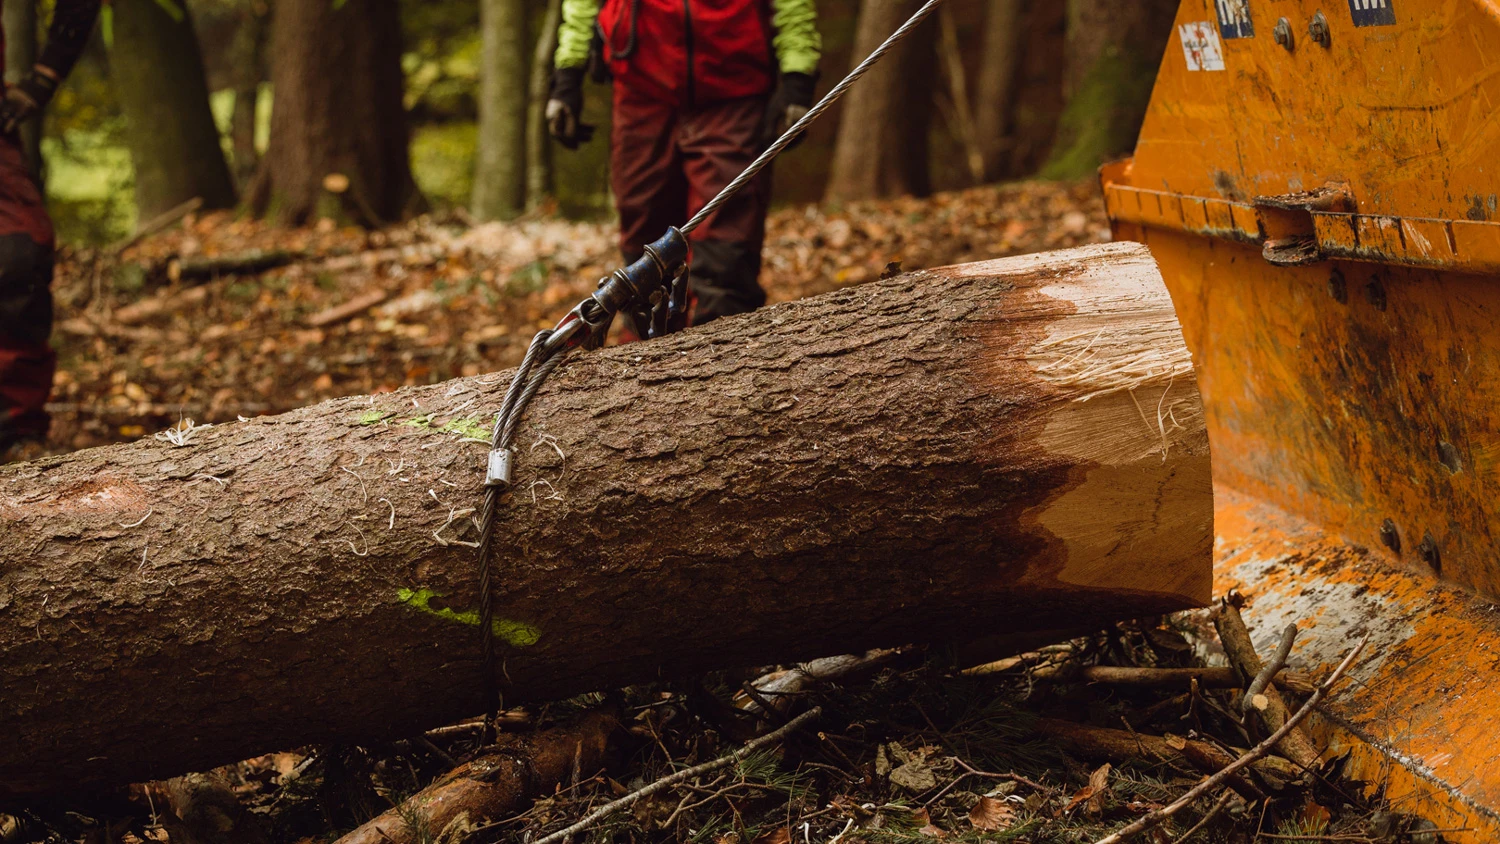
912	750
139	351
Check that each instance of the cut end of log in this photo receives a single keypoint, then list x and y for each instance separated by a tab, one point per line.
1111	388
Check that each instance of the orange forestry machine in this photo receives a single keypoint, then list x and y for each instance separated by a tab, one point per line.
1320	183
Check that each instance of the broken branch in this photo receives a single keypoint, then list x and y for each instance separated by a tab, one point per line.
1235	637
498	782
1260	750
683	776
1258	685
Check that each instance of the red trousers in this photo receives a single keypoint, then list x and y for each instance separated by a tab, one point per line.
668	162
26	360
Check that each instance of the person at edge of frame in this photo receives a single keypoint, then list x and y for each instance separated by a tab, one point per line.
701	87
27	361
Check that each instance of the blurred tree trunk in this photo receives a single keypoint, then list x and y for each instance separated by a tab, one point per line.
158	77
1113	52
998	65
19	23
249	62
538	145
1038	90
882	147
339	135
500	156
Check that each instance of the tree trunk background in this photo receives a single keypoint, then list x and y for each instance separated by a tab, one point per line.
338	108
1039	86
500	156
249	48
882	147
539	182
1113	53
18	22
158	74
946	454
996	86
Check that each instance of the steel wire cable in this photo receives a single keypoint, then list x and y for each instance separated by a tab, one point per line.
542	358
813	113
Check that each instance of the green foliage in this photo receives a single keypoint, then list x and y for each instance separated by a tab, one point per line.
442	87
89	177
765	769
1293	831
174	11
90	185
222	104
442	161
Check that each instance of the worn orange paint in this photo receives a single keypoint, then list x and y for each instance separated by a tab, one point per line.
1404	114
1420	712
1352	402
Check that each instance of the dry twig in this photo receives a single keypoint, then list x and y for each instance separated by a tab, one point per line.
683	775
1263	679
1211	814
1209	784
1235	637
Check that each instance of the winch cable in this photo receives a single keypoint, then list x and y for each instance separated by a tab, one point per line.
656	283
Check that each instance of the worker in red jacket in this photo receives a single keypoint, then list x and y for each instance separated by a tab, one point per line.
26	359
700	88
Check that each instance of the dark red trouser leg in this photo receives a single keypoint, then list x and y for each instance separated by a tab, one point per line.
666	164
26	360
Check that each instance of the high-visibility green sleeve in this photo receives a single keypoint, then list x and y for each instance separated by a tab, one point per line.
575	32
798	44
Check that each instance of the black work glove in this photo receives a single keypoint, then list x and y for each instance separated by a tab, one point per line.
565	108
26	99
793	98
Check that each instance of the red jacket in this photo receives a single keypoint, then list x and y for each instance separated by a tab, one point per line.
689	52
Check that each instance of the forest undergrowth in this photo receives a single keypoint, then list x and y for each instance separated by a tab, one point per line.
897	746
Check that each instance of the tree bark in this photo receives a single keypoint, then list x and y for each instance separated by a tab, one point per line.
539	183
174	143
337	112
972	450
249	48
882	147
497	784
995	88
1113	52
1039	88
500	158
19	25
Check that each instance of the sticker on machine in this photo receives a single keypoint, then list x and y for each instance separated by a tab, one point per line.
1234	19
1200	44
1373	12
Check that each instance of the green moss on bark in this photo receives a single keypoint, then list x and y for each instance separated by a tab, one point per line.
1103	116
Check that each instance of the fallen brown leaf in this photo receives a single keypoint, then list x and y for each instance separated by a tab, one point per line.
1099	785
990	814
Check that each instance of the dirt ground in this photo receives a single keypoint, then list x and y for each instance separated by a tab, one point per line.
912	749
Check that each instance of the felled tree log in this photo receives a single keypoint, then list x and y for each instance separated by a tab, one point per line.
978	449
